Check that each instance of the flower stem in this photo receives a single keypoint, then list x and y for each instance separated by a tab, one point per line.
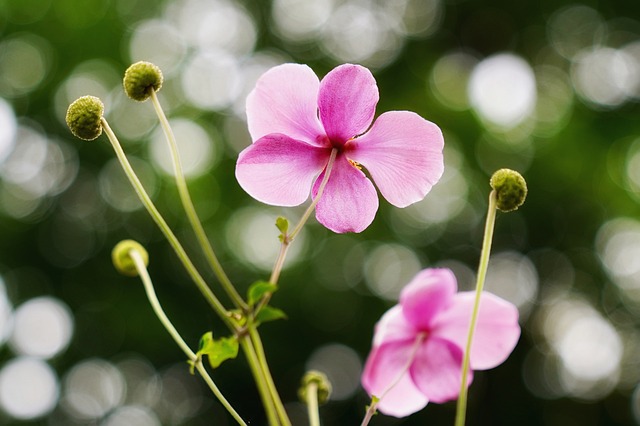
157	308
166	230
288	239
371	410
312	404
264	367
258	375
461	409
189	208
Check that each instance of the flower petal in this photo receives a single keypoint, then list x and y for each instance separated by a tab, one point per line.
429	293
497	330
279	170
386	365
347	101
349	201
437	370
285	100
393	326
403	154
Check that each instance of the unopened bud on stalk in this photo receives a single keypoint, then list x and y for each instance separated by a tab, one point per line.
320	380
510	188
140	79
83	117
122	260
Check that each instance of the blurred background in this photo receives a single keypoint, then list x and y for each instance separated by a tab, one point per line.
549	88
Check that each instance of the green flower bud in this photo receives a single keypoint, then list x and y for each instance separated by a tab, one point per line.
510	188
140	79
322	384
83	117
122	260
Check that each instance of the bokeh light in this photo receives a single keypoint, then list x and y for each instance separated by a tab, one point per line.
42	328
342	366
196	148
28	388
502	90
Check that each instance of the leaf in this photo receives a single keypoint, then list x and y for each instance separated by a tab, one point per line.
283	226
269	313
258	290
221	350
218	350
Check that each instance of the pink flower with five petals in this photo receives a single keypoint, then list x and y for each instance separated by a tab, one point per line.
295	122
419	344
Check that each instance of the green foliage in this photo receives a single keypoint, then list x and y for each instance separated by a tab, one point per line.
282	223
217	350
258	290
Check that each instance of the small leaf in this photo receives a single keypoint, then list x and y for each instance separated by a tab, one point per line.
222	350
258	290
219	350
283	226
205	341
269	313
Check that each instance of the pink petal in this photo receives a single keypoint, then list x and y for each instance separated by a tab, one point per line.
279	170
347	101
349	202
497	330
403	154
385	366
429	293
392	327
437	370
285	100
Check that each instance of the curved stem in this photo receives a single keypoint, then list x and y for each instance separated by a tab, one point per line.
374	399
189	208
288	239
164	227
157	308
461	408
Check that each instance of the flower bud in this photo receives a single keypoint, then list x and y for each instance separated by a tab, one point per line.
140	79
510	188
322	383
122	260
83	117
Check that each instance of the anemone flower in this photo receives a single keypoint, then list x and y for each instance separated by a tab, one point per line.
296	121
418	345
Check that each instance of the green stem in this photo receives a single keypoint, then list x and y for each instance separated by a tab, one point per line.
312	404
164	227
157	308
264	367
265	395
189	208
461	409
288	239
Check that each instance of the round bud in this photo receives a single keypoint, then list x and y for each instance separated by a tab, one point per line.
140	79
122	260
83	117
510	188
321	382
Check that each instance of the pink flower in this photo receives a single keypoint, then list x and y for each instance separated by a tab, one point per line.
295	121
418	345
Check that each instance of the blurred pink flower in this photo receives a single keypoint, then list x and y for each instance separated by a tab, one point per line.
418	345
295	121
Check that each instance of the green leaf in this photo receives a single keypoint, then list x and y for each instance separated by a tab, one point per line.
283	226
269	313
258	290
218	350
